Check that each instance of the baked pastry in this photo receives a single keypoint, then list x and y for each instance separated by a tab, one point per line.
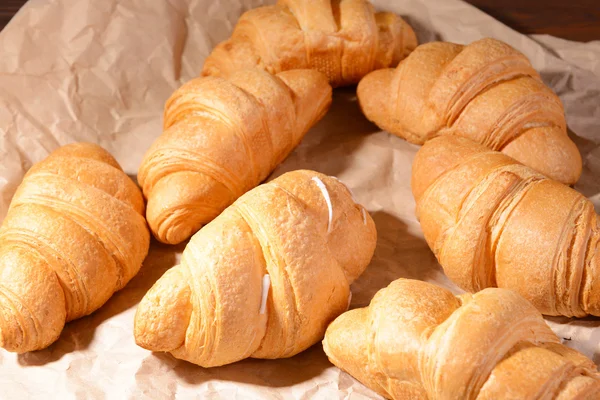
417	340
492	221
264	278
486	91
345	39
74	234
222	138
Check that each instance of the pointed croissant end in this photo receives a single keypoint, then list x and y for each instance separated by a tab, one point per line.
548	150
32	315
345	344
11	337
170	225
372	93
162	317
230	56
312	92
18	332
344	338
175	215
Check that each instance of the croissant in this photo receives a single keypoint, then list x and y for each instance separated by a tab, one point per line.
345	39
74	234
491	221
486	91
417	341
222	138
264	278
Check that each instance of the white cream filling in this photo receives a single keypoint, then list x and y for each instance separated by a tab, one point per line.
323	189
266	284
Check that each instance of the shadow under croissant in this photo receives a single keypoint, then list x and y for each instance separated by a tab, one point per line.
562	327
423	32
399	254
270	373
326	146
78	334
588	184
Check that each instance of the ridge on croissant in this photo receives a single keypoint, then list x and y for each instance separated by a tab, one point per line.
416	340
74	234
492	221
264	278
485	91
221	138
343	39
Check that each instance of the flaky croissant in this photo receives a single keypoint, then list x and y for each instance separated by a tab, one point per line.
417	340
264	278
74	234
486	91
222	138
345	39
492	221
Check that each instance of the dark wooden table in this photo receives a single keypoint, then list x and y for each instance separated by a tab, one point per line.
574	19
570	19
8	8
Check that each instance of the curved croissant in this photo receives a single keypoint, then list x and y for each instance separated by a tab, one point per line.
417	341
486	91
493	222
74	234
345	39
222	138
264	278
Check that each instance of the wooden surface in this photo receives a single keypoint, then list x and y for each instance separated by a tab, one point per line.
8	8
570	19
574	19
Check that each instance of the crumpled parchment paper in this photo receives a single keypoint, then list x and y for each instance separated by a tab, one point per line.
100	71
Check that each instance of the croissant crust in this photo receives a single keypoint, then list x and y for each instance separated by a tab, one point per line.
345	39
417	340
264	278
222	138
486	91
74	234
492	221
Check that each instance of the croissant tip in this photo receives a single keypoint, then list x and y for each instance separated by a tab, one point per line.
144	334
173	229
370	100
150	340
174	234
10	341
146	341
162	317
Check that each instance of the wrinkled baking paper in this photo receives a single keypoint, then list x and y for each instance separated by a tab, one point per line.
101	70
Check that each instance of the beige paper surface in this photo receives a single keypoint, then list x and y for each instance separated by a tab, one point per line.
100	70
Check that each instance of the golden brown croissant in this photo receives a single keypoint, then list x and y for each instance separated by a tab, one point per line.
345	39
222	138
74	234
493	222
486	91
264	278
417	341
